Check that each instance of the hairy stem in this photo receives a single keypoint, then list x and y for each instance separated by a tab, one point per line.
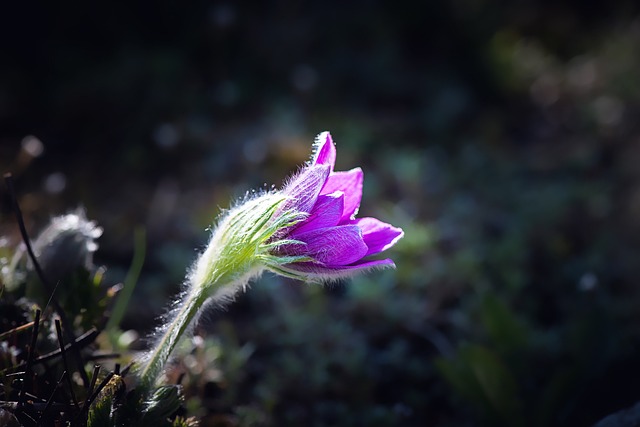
184	315
233	257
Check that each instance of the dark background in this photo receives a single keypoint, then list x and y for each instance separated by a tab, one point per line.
502	136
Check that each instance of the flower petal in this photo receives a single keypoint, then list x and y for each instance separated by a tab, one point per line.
303	190
315	272
333	246
350	183
325	150
325	213
378	236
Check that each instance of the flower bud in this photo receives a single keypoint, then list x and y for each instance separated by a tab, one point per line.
64	247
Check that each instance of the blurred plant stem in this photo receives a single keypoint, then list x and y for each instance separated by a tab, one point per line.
120	307
158	356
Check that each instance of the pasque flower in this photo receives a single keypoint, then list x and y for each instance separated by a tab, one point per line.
308	230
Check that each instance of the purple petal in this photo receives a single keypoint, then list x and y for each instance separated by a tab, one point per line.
350	183
333	246
304	189
325	213
325	150
387	262
378	236
316	271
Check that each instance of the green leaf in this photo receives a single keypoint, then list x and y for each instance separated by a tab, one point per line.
101	410
505	330
164	402
478	375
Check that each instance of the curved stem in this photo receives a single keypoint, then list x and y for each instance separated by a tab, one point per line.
159	355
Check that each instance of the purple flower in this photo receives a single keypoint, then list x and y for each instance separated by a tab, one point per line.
330	241
308	231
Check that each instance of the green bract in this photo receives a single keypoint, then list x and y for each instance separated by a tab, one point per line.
241	245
